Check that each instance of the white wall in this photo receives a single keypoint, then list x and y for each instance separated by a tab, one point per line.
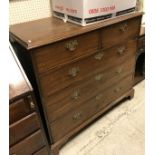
27	10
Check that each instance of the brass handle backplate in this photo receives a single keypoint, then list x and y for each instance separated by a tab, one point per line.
77	116
76	95
99	77
71	45
121	50
123	28
74	71
99	56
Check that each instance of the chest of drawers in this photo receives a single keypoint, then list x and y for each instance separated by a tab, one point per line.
79	73
26	133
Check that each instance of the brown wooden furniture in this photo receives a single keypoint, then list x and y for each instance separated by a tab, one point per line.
80	72
27	136
140	59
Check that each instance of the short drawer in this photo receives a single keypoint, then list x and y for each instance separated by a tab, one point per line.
20	109
65	51
117	33
29	145
74	72
23	128
65	100
79	115
42	151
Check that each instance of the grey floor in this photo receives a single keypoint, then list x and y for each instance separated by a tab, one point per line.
120	132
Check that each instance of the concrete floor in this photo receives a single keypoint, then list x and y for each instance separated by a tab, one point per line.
120	132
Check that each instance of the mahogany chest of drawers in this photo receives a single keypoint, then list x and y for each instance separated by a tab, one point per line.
26	133
78	72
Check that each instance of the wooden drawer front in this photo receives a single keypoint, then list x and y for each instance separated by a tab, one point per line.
20	109
67	50
85	111
29	145
43	151
117	33
69	74
60	103
23	128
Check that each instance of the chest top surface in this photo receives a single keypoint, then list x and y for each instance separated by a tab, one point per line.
49	30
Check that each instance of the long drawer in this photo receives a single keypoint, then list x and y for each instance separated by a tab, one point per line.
58	53
20	109
29	145
23	128
71	73
86	110
117	33
62	102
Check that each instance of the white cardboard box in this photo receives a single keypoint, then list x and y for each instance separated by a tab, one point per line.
85	12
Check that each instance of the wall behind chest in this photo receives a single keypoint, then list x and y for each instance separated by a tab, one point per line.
27	10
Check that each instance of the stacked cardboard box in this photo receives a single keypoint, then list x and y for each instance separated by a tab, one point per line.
84	12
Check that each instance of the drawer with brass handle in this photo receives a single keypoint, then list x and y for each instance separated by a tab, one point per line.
20	109
48	57
117	33
74	72
61	102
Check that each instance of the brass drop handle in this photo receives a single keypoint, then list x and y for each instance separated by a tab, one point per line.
14	154
77	116
99	56
119	70
121	50
76	95
123	28
71	45
117	90
99	77
32	105
74	71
